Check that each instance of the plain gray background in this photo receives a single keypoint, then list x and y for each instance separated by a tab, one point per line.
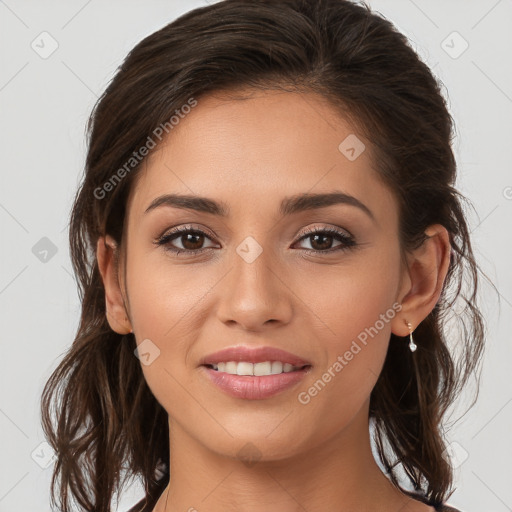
44	103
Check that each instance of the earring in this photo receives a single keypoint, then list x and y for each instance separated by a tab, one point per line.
412	345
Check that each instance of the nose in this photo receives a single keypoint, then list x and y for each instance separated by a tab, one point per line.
255	295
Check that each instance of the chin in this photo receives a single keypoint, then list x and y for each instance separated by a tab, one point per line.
260	441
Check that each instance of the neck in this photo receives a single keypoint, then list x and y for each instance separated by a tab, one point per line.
340	474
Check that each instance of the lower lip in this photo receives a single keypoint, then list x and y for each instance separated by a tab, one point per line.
255	388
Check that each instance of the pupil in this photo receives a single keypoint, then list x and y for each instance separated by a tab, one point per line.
188	238
323	246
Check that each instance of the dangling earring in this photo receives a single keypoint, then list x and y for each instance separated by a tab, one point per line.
412	345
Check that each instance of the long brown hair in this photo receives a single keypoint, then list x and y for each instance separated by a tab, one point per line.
98	414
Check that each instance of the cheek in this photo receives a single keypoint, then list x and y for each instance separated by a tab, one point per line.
356	305
165	299
166	312
351	299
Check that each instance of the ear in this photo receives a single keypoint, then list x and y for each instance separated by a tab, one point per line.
423	280
108	256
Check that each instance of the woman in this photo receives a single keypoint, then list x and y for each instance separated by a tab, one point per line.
269	246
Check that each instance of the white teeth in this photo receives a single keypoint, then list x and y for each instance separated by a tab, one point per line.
277	367
263	368
257	369
230	367
245	369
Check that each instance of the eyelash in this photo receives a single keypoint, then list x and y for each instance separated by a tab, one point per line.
347	240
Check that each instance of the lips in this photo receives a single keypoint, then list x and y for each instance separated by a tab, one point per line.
254	387
253	355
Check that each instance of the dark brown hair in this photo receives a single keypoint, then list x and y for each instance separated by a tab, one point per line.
98	413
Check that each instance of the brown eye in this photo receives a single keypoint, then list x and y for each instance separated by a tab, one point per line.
191	240
321	242
322	239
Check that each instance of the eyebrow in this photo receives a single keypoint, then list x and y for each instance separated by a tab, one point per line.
289	205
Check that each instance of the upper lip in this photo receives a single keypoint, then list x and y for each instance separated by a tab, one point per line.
253	355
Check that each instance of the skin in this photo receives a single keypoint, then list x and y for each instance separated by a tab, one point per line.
250	154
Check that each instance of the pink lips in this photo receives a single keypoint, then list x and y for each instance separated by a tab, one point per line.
251	387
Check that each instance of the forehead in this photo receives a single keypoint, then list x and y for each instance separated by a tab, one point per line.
254	148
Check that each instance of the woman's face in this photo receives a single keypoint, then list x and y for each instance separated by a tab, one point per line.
259	278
